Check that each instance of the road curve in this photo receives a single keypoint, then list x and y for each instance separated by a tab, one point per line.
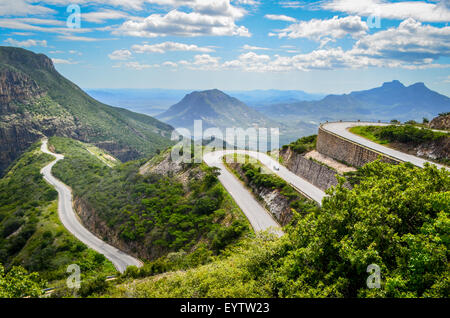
341	129
259	217
70	220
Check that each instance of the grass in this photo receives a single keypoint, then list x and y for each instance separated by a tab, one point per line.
367	133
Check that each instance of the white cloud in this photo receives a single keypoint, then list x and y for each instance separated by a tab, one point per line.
102	16
136	65
26	43
170	64
78	38
280	17
169	46
254	48
410	42
418	10
62	61
178	23
22	8
317	29
120	55
411	45
34	24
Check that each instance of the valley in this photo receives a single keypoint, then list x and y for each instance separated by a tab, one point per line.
303	219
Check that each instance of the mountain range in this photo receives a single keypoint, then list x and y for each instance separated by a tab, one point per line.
389	101
155	100
37	101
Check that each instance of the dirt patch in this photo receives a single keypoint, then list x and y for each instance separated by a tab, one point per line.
328	161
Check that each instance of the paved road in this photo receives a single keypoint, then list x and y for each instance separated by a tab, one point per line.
70	220
341	129
258	216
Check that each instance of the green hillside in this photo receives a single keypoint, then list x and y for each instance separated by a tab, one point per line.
31	234
396	217
150	215
36	100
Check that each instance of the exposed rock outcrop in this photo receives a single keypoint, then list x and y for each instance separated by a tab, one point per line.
276	203
16	86
35	100
441	122
100	228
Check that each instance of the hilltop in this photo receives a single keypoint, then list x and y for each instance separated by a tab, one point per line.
35	100
216	109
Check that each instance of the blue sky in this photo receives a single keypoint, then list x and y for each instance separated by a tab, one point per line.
327	46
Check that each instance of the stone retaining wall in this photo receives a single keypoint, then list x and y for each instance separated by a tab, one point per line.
319	175
346	151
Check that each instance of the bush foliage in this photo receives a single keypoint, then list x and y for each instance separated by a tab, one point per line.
396	217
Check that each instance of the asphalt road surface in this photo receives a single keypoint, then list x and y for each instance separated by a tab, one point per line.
341	129
259	217
70	220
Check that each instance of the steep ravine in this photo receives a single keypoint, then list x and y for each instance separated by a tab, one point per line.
96	225
276	203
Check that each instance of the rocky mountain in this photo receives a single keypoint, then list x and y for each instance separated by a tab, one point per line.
215	109
441	122
389	101
35	100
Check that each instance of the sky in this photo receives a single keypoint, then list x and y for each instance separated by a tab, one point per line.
326	46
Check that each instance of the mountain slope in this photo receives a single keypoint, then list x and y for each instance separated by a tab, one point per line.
31	234
391	100
216	109
35	100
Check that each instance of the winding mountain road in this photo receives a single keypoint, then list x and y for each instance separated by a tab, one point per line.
341	129
259	217
71	222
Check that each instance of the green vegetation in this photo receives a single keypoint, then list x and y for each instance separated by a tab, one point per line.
303	144
31	234
396	217
57	106
407	134
157	212
17	283
254	175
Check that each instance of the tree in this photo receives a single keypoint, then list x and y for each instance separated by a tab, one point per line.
19	283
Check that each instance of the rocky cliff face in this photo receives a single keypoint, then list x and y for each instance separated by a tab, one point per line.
16	86
35	100
99	227
276	203
441	122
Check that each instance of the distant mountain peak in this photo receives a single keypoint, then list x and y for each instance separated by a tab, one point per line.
418	85
215	108
213	91
394	84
